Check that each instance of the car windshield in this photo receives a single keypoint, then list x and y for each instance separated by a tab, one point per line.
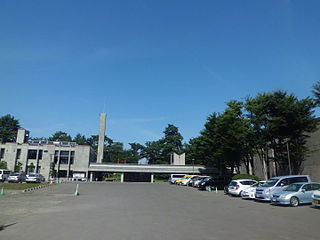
15	174
293	187
270	183
32	175
207	179
256	184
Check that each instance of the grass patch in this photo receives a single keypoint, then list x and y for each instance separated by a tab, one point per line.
160	180
18	186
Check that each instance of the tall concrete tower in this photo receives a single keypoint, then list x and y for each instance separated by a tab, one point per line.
102	132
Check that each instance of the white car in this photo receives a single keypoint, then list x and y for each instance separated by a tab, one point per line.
4	174
237	186
316	198
174	177
34	178
250	192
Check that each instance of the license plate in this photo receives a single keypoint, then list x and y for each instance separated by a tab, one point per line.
316	201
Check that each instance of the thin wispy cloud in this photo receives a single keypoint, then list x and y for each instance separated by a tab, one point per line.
136	120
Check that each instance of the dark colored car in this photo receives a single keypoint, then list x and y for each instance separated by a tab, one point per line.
218	182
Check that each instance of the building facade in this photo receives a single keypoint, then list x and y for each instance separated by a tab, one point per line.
62	159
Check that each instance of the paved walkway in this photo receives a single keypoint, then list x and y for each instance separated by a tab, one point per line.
144	211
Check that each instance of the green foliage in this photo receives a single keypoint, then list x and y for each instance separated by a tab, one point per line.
158	152
31	168
8	128
18	167
277	118
244	130
53	172
316	93
245	176
3	165
80	139
60	136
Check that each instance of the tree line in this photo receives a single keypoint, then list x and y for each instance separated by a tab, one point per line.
270	127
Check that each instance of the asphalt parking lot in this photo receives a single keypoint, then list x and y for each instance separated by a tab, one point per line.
144	211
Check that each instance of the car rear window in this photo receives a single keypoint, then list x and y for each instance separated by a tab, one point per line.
247	182
233	183
177	176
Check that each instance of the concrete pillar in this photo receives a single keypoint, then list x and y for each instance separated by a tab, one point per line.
122	177
102	131
152	177
68	169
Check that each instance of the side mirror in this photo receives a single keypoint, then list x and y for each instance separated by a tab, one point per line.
303	190
281	184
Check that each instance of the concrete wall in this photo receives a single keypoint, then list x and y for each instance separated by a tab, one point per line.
312	164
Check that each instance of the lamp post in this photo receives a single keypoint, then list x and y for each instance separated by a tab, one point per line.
192	166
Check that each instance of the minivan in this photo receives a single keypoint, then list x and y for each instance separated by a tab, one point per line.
174	177
4	174
276	184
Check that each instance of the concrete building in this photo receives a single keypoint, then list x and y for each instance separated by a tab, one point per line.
67	159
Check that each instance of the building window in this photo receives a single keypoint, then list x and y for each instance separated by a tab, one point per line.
40	155
63	160
64	157
2	153
56	155
72	157
32	154
18	153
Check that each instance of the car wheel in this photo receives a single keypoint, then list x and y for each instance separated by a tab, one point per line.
294	202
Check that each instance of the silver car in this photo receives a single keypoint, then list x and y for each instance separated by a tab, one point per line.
17	177
276	184
35	178
296	194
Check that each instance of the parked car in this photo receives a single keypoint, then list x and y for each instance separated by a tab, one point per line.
197	182
174	177
214	182
17	177
276	184
316	198
190	183
196	179
4	174
35	178
295	194
179	181
250	192
237	186
186	180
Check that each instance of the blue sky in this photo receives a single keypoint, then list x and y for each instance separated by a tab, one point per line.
149	63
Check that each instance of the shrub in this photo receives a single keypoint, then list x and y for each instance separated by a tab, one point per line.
246	176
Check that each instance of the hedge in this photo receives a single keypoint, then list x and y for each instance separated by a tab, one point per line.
246	176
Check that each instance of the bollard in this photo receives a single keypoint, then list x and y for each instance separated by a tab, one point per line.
2	191
76	193
216	190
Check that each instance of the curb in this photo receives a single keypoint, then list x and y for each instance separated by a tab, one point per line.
36	188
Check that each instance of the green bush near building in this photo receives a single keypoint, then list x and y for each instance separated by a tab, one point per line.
245	176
